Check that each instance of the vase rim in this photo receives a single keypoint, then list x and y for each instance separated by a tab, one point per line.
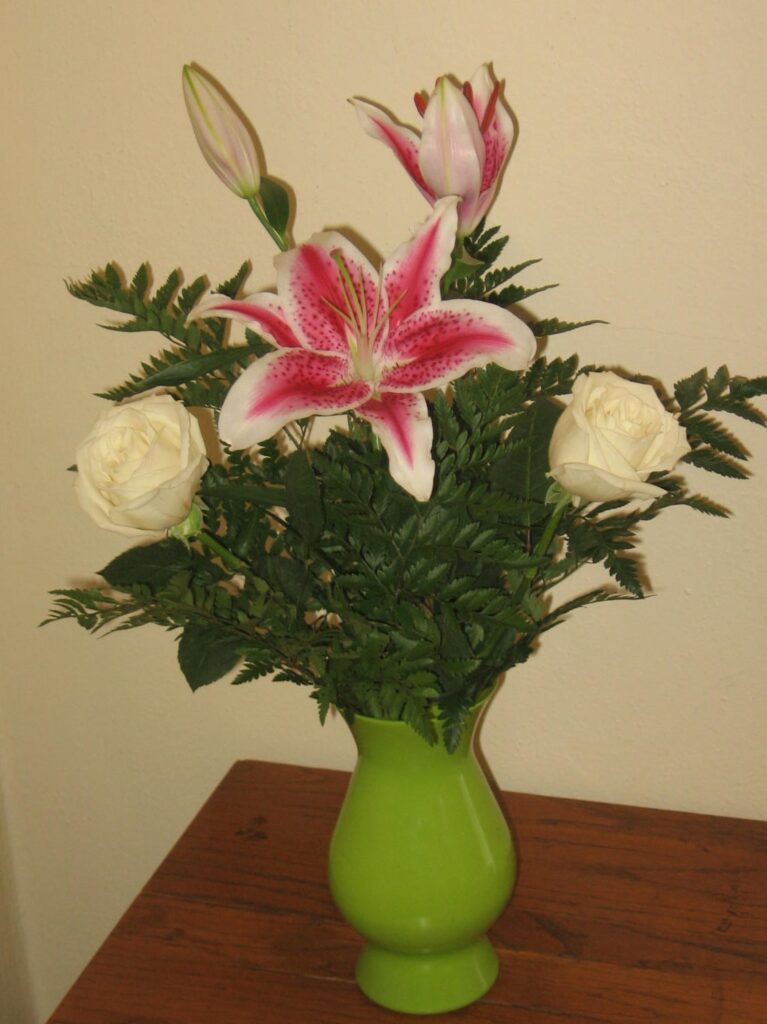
476	706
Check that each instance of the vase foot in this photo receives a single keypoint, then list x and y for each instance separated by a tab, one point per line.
427	982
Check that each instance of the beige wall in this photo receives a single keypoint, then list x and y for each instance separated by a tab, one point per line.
639	176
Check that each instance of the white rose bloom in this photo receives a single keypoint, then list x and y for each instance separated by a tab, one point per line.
612	435
140	466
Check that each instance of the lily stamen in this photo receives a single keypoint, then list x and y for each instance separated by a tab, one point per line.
490	108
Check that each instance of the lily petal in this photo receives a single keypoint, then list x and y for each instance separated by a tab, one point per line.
402	141
402	422
498	133
315	295
263	309
411	275
435	346
285	386
452	152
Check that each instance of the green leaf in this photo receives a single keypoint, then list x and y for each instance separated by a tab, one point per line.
167	290
276	204
268	497
259	346
714	434
626	572
745	387
515	293
291	577
690	389
709	460
140	281
303	499
231	287
524	472
152	564
205	654
191	294
718	383
597	596
737	407
453	640
705	505
545	328
190	369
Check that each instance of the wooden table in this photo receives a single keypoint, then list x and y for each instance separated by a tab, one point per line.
620	914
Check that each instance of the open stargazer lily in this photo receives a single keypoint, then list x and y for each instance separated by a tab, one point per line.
466	139
348	338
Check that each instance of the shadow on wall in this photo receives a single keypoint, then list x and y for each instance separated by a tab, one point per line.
15	987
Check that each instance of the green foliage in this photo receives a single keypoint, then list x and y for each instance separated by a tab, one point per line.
276	203
714	447
200	369
314	566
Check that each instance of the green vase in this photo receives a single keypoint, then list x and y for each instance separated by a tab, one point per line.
421	864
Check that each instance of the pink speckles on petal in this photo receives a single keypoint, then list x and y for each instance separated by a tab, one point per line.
314	293
496	151
319	299
285	386
438	345
305	382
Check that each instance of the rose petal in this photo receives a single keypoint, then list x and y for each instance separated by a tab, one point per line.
593	484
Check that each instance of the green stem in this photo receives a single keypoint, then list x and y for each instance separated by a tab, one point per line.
230	561
542	546
276	236
298	443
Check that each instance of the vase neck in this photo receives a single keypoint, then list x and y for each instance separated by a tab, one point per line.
394	742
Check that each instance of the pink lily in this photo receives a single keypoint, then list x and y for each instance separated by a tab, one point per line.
466	140
348	338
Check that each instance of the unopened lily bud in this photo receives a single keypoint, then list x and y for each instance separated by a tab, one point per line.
223	135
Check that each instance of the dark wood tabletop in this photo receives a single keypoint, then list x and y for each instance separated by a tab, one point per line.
620	914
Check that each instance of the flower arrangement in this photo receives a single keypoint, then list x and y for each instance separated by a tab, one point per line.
400	566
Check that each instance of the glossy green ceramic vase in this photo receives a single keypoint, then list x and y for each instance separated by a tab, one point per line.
421	864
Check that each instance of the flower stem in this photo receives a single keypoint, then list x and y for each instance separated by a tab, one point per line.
277	237
230	561
542	546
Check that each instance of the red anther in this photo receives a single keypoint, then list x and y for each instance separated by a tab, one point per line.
490	109
468	92
420	103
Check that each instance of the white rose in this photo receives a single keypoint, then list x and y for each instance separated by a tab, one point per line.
612	435
140	466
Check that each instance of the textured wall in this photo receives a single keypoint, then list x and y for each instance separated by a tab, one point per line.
639	177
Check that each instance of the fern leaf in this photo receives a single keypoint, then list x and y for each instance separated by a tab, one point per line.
545	328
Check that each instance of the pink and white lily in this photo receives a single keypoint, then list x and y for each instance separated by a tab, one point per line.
466	139
348	338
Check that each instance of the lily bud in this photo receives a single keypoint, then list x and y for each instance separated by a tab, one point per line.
466	140
222	134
